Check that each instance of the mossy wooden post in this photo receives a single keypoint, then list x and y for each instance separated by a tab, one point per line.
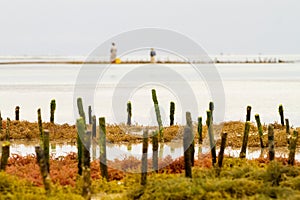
199	130
189	123
155	151
158	116
81	110
5	155
292	148
40	123
172	112
187	139
287	130
43	168
80	133
90	115
222	149
86	171
103	164
245	140
52	110
0	123
211	136
94	126
144	158
17	112
129	113
248	115
46	148
271	142
260	130
7	136
280	110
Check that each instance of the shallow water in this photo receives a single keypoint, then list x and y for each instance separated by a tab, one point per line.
174	149
263	86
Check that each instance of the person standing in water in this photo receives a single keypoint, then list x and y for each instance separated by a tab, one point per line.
113	53
152	55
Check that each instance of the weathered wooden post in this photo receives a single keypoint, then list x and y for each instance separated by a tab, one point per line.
43	168
172	112
80	109
94	126
245	140
209	124
0	123
129	113
292	148
90	115
280	110
189	123
86	171
144	158
103	165
222	149
46	147
17	112
7	136
155	151
80	133
158	116
187	139
199	129
5	155
40	126
287	130
260	130
248	116
271	142
52	110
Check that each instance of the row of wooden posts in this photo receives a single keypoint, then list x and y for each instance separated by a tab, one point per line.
85	137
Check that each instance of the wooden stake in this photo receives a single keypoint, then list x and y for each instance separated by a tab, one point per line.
129	113
172	112
5	155
260	130
271	142
292	148
144	158
222	149
189	123
245	140
200	139
187	139
17	112
155	151
280	110
158	116
209	124
80	134
248	116
81	110
86	171
103	165
7	136
52	110
46	141
90	115
43	168
94	126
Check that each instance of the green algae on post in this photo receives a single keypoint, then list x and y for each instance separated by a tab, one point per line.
7	136
17	113
158	116
52	110
292	148
103	164
187	140
80	109
172	112
5	155
260	130
280	110
129	113
245	140
144	158
287	130
209	124
248	116
199	130
80	133
46	148
271	142
43	168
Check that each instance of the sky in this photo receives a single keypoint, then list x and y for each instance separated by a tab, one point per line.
76	27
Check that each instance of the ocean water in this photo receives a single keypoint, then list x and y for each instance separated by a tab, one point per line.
263	86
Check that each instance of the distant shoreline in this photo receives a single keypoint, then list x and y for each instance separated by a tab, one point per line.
142	62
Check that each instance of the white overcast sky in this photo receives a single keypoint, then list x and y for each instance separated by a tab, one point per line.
76	27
